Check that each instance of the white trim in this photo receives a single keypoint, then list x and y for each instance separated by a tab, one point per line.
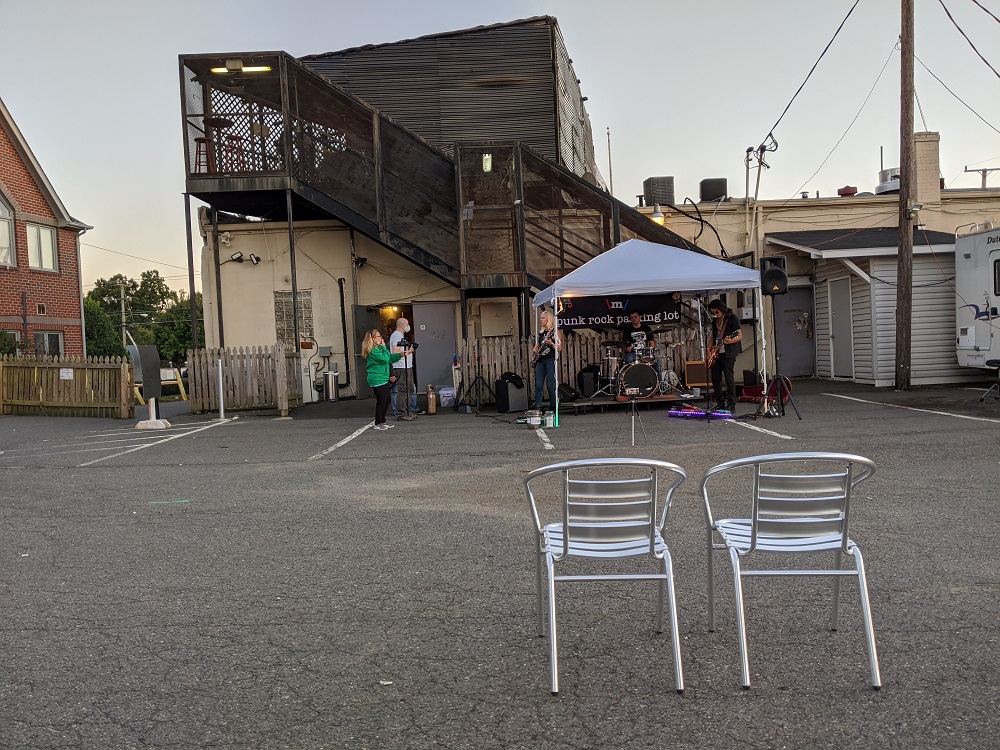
854	269
860	252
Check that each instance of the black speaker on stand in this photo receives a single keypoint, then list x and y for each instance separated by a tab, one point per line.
774	281
773	276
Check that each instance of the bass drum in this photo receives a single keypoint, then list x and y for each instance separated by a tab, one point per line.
637	380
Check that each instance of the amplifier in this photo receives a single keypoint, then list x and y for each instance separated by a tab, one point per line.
510	397
695	373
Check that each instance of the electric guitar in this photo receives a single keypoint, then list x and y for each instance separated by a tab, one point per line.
714	350
546	337
712	354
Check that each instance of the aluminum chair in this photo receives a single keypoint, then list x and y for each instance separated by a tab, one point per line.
611	509
799	503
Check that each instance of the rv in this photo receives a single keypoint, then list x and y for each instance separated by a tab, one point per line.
977	295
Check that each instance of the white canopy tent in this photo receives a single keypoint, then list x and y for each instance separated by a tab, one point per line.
642	267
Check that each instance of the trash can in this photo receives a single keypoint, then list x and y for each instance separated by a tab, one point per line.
330	386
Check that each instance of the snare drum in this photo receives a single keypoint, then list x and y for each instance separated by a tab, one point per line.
637	380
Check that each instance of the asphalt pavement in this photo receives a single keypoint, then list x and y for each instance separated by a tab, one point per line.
312	583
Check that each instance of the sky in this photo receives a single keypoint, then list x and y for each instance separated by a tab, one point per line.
685	87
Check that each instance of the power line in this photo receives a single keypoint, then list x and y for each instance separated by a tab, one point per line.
136	257
770	133
955	24
953	93
986	10
851	125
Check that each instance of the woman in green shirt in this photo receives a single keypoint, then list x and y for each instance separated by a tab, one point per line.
378	358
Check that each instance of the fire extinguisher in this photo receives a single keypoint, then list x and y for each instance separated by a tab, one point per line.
432	400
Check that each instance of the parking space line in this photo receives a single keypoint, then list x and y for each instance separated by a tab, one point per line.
345	441
913	408
759	429
159	442
546	443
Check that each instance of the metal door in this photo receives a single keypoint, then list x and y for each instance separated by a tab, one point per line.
434	329
793	332
841	329
364	321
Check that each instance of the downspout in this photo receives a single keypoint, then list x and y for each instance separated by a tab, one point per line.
190	258
218	276
343	325
79	278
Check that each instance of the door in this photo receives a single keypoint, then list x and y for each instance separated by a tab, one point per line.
433	326
841	329
365	319
793	332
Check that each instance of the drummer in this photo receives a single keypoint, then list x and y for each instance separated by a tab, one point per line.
637	336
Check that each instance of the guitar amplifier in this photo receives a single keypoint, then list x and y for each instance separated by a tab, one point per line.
510	397
695	373
587	382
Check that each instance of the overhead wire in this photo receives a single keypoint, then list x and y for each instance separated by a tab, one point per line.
955	95
955	24
844	135
136	257
989	12
770	133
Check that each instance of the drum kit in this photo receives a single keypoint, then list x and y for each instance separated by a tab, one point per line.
634	380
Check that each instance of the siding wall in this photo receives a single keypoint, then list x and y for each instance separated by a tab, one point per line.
933	355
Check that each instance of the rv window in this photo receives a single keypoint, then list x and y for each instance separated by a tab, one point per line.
996	277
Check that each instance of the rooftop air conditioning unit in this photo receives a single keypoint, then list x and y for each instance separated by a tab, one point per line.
658	191
713	189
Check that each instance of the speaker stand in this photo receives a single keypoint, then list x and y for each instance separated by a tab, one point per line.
634	417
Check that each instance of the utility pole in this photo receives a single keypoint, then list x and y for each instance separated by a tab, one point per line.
122	288
983	172
904	267
611	175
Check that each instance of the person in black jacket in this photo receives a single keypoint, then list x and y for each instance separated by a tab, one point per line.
724	345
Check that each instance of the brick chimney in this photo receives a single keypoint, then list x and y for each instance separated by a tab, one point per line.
926	168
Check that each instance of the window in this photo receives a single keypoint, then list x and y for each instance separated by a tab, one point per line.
283	320
996	277
7	255
42	247
48	342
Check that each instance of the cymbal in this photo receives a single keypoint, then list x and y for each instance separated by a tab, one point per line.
609	342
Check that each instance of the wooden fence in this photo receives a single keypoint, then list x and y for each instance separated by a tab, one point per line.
67	386
492	356
253	377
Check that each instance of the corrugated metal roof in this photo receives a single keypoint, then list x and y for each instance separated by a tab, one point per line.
489	83
441	35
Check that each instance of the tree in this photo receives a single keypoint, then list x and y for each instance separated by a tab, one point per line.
149	295
8	344
144	301
103	336
173	330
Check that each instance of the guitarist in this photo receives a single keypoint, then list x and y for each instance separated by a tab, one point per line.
544	358
724	345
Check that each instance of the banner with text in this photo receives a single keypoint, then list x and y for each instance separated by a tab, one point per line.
613	311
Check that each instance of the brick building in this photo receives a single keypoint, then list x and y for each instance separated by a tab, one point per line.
40	288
